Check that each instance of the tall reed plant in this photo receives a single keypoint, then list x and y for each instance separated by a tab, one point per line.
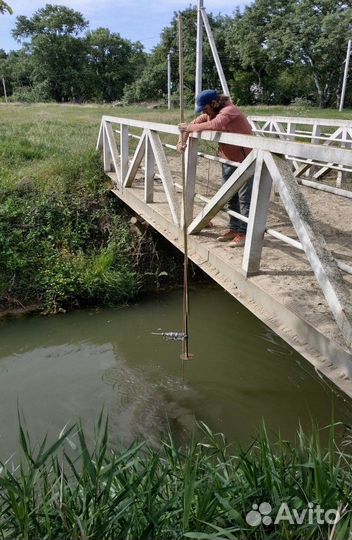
205	490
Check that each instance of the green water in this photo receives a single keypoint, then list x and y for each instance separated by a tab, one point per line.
61	368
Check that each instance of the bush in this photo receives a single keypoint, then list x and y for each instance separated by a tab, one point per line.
32	94
59	241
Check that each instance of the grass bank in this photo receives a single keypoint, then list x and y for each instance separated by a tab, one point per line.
65	242
207	490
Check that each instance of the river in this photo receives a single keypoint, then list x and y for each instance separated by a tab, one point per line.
58	369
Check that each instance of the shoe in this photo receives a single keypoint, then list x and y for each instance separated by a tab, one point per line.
228	236
238	241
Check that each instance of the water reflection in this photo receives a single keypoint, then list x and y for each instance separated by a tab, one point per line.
143	407
67	367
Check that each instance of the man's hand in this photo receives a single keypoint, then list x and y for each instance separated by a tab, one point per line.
183	127
181	145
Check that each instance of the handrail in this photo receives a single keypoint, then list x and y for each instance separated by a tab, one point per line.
325	122
292	148
331	132
295	149
308	183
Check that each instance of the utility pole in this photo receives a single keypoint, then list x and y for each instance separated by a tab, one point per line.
169	80
4	85
344	84
199	49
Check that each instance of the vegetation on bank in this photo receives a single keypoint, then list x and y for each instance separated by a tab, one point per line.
65	241
203	491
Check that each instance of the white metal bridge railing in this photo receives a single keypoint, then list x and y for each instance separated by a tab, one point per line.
266	163
327	132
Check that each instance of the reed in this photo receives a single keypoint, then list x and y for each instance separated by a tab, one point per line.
72	489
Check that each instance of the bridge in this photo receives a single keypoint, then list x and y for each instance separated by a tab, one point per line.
294	271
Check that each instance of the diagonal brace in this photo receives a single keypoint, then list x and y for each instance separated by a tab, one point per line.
323	264
241	175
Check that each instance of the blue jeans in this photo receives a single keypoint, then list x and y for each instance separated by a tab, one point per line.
240	202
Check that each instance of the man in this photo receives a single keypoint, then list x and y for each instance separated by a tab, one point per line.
220	114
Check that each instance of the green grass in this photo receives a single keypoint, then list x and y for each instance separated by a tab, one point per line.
203	491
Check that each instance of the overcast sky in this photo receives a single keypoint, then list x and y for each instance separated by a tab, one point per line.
140	20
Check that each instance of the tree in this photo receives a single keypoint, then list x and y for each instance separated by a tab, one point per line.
112	63
17	69
153	81
58	54
5	7
316	35
308	36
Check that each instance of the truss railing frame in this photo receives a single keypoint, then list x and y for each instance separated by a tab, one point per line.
266	163
314	129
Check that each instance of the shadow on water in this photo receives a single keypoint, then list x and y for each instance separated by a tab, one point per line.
63	368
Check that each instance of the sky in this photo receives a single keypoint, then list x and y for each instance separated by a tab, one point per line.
136	20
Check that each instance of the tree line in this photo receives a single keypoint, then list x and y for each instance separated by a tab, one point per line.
272	52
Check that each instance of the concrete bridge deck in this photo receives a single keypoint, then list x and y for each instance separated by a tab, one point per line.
286	292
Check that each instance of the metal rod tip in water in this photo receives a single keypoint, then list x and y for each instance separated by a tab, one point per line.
187	356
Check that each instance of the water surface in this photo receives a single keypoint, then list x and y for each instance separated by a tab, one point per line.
59	369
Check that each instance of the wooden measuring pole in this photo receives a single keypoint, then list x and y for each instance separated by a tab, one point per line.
199	50
185	351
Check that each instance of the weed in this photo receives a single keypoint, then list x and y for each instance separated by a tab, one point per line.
76	489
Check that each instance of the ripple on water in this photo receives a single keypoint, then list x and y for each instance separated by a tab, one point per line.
143	409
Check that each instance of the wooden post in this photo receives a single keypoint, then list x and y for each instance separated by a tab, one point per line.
149	173
257	218
199	50
123	152
112	157
107	157
344	84
191	171
342	176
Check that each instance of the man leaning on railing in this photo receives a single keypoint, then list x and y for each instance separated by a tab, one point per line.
220	114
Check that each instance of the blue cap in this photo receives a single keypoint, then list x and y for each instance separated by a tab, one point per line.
205	98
